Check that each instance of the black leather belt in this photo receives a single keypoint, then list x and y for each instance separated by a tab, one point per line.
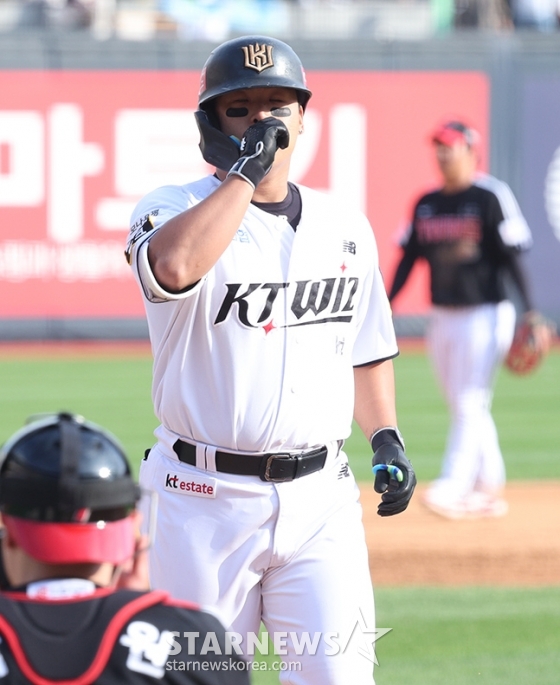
277	467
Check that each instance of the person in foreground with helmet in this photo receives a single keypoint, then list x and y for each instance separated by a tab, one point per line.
270	329
75	606
471	232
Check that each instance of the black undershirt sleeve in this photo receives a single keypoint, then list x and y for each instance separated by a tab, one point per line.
401	274
513	265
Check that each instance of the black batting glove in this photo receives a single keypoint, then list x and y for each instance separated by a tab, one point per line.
394	475
257	149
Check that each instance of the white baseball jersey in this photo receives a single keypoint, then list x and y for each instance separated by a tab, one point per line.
258	356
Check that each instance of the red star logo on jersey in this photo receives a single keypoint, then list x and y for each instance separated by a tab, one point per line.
343	267
269	327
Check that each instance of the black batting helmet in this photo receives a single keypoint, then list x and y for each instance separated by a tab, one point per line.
67	494
251	62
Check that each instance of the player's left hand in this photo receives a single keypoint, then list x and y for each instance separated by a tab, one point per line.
394	474
258	148
533	339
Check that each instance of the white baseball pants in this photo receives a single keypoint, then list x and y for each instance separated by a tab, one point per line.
290	554
467	346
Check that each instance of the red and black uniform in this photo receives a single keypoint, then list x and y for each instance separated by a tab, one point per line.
112	638
459	237
471	241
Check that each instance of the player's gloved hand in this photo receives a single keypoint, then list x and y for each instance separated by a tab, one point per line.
257	149
394	475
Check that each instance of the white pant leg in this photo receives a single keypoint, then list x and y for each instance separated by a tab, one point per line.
467	345
212	551
492	475
292	554
319	583
448	337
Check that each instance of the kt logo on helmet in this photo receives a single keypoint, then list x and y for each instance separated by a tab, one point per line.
258	57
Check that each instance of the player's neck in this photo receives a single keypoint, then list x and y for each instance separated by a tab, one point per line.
271	192
456	184
458	177
274	186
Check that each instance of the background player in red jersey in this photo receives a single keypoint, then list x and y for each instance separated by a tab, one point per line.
471	232
76	606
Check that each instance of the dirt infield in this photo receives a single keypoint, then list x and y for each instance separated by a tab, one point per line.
421	548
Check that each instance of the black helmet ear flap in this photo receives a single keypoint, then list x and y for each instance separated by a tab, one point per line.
217	149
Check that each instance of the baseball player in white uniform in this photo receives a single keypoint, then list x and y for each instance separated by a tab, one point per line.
270	329
471	232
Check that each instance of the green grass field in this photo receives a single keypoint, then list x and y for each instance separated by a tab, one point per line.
464	636
115	392
487	636
526	410
439	636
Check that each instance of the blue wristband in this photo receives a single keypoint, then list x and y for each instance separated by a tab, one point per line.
394	471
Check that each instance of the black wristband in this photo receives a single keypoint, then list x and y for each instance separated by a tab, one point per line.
389	435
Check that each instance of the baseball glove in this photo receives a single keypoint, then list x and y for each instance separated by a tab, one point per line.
531	343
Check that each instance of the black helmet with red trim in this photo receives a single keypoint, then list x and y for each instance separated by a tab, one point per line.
251	62
67	494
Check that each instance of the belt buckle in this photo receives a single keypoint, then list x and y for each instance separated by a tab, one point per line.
282	456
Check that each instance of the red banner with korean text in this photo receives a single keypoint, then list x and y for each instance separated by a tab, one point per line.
78	149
